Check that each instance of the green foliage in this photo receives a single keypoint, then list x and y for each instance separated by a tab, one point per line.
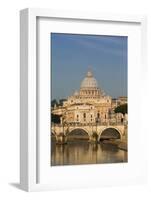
55	102
61	102
121	109
56	119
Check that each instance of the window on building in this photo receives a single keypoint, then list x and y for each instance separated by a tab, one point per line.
84	115
98	115
77	117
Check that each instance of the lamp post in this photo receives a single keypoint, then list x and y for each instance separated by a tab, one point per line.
94	134
109	114
63	125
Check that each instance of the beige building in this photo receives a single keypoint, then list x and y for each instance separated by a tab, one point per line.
121	100
89	105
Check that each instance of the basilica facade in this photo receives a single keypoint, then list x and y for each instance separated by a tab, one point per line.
88	105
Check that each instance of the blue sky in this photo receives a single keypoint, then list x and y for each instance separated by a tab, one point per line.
73	55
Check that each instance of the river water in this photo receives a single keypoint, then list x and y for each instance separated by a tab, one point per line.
83	152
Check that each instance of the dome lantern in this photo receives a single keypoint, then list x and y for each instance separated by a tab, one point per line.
89	74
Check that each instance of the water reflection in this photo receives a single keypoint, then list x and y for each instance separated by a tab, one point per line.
83	152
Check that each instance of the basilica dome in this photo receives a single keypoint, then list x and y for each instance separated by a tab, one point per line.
89	81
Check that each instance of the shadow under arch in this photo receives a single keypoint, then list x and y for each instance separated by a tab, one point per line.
77	134
110	133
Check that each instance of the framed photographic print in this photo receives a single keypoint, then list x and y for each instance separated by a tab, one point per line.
82	76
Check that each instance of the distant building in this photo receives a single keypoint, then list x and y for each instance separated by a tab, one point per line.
121	100
89	105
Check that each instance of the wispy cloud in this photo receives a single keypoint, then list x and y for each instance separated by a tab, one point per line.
106	44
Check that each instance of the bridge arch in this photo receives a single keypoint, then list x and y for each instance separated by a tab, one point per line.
79	133
110	133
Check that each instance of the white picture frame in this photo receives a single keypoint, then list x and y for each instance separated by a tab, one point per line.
29	83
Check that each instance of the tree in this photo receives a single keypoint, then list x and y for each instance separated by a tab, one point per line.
56	119
54	102
121	109
61	102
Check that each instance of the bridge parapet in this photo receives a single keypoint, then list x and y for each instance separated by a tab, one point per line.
90	128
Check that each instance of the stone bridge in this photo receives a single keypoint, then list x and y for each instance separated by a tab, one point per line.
95	132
